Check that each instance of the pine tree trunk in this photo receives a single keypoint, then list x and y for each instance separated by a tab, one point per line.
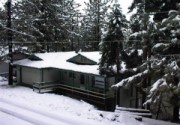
144	58
117	63
9	32
72	39
117	77
136	98
98	27
118	96
146	55
48	48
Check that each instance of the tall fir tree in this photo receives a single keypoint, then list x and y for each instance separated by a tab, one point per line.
112	42
94	22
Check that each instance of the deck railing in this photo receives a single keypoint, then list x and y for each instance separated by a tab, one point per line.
40	86
53	85
101	99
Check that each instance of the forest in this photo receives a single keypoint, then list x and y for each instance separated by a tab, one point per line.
148	43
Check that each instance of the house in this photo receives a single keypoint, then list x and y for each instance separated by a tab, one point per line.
70	73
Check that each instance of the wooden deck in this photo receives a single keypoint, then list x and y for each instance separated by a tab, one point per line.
98	98
42	87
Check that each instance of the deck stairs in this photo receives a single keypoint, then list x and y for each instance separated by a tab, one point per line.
134	111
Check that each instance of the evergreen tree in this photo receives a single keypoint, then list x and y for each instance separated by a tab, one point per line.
161	49
94	22
136	36
48	21
166	88
3	17
112	43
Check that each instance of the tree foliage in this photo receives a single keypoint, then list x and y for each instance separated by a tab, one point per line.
160	45
94	22
112	43
44	23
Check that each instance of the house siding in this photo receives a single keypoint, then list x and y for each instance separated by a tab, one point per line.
124	98
19	77
129	97
50	75
110	81
3	67
30	75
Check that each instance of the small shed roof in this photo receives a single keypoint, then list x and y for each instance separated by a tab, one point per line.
59	60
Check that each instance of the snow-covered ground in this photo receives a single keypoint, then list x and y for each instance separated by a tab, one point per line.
20	105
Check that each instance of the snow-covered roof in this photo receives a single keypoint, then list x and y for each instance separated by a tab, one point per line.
59	60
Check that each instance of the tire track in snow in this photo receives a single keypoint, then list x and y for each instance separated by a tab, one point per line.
7	119
72	120
29	116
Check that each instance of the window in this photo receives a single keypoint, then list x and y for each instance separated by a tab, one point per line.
82	79
72	75
93	80
87	79
100	82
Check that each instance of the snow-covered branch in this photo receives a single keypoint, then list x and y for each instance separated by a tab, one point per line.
132	79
